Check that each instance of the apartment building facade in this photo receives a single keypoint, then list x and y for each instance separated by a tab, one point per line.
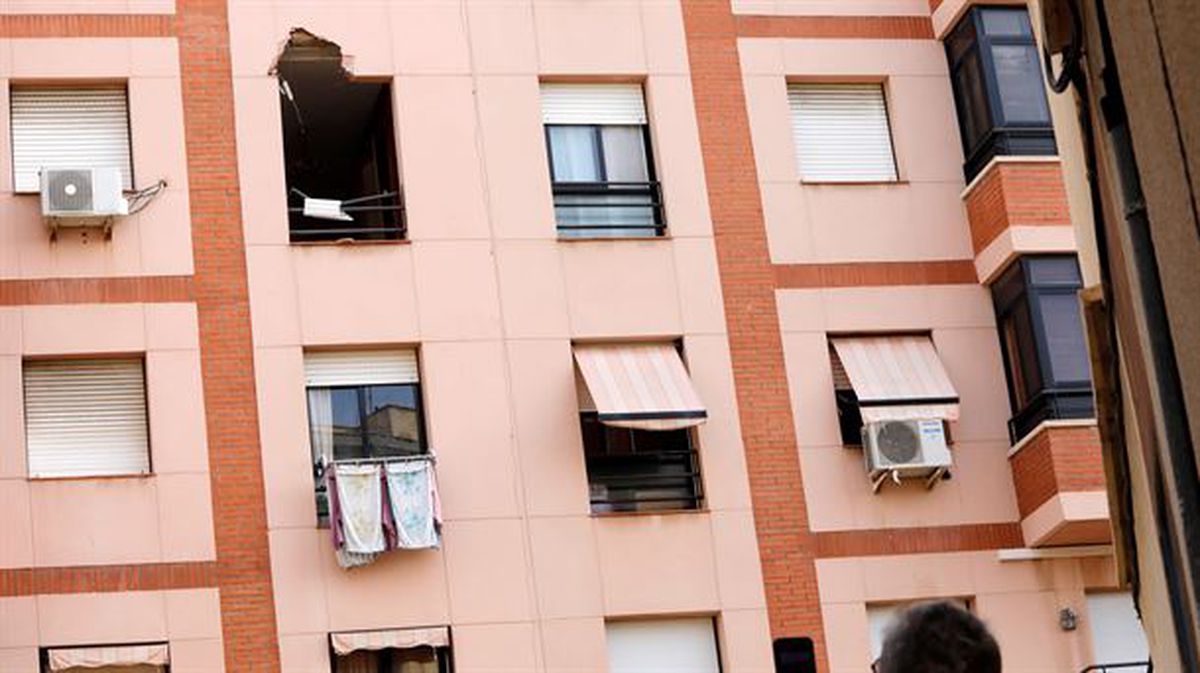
538	335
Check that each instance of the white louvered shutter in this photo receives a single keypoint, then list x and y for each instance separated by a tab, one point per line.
662	645
69	127
86	418
360	368
593	104
841	133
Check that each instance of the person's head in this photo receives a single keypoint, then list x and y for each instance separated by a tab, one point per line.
939	638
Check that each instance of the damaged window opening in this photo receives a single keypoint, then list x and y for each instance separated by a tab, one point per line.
339	146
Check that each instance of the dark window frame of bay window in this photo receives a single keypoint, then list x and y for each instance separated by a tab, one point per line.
985	128
1037	391
634	197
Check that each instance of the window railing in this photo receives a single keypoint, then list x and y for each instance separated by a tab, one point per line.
608	209
1123	667
1001	141
1051	404
385	216
660	480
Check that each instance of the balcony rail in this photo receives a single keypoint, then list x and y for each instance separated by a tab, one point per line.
1123	667
1051	404
599	209
387	209
660	480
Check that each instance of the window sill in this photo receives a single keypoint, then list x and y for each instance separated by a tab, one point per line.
593	239
854	183
660	512
349	243
93	477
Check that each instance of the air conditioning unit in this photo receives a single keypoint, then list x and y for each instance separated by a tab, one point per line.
906	449
82	197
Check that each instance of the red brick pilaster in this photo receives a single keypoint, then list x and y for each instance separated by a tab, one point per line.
226	346
748	283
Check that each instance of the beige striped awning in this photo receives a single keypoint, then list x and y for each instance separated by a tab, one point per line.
116	655
641	386
350	641
897	378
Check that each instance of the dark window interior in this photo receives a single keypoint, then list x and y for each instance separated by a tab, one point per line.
603	181
996	73
368	422
392	660
339	144
639	470
849	416
1043	342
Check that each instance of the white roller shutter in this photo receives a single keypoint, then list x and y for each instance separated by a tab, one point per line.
593	104
841	133
662	646
1117	635
69	127
86	418
360	368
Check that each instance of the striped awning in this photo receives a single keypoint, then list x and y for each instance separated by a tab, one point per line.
641	386
117	655
897	378
351	641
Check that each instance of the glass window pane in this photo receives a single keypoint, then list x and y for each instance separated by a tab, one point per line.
1020	350
1006	22
1054	271
961	39
575	153
971	93
624	154
1064	337
1019	80
347	424
393	420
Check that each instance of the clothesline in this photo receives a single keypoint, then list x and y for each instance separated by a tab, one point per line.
381	459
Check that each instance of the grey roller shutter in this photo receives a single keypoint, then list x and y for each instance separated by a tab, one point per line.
69	127
86	418
841	133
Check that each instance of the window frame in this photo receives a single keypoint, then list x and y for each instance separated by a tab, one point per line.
318	469
1014	291
140	359
885	98
82	85
689	457
998	134
383	658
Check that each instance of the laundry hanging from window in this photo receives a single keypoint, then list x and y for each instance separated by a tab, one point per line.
343	178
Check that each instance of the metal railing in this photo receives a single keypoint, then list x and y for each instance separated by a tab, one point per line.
390	211
1052	403
1122	667
661	480
619	208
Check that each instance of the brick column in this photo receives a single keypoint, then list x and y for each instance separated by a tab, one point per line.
226	346
785	543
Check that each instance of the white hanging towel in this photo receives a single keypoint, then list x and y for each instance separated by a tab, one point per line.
360	497
412	493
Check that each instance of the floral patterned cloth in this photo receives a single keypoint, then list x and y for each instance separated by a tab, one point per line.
413	495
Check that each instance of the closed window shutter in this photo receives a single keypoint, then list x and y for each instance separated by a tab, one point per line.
682	645
360	368
841	133
86	418
593	104
69	127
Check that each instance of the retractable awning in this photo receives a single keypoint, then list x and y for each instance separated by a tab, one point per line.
350	641
641	386
117	655
897	378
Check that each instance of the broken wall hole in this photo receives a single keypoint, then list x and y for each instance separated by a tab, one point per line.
339	146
